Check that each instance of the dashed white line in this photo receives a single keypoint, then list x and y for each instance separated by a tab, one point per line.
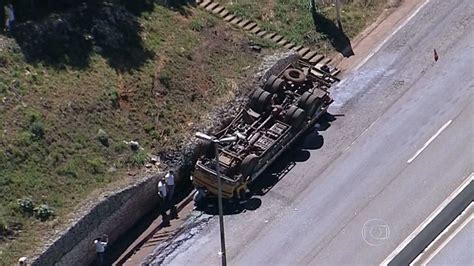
429	141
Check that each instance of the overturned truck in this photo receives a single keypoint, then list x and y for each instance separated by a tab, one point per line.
277	113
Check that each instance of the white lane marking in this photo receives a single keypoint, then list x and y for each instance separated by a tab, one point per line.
391	35
448	239
428	220
429	141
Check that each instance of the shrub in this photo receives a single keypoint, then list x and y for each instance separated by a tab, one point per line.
120	147
149	127
197	25
43	212
26	205
103	137
138	158
95	166
37	129
3	227
114	98
165	79
69	168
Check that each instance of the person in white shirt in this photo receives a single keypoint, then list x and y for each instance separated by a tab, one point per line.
162	190
169	178
9	16
100	245
162	193
22	261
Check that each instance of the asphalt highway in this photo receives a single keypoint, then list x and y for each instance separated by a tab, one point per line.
404	144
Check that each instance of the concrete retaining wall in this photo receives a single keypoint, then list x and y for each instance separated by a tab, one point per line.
113	216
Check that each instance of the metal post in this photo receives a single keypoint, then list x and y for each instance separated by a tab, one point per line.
338	14
219	200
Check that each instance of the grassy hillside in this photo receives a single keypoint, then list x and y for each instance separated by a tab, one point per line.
64	117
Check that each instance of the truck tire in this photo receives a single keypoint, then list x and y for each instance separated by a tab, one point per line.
274	84
295	117
199	198
204	148
262	102
256	94
268	84
248	164
278	85
254	100
308	102
295	75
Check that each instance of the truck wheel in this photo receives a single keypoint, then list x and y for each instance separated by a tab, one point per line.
308	103
295	117
263	102
254	100
256	94
243	194
268	84
248	164
277	85
199	197
204	149
295	75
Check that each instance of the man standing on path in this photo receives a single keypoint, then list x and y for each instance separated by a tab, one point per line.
169	178
170	185
100	245
163	193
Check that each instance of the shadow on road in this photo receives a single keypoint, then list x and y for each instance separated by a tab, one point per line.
231	207
335	34
299	153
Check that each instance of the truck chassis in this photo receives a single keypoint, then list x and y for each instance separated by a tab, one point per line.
277	114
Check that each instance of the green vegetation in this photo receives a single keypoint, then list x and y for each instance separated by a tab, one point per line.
63	125
294	19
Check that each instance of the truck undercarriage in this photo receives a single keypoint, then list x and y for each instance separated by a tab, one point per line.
278	112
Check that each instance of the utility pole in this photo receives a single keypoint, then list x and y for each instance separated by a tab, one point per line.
219	202
216	142
338	14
